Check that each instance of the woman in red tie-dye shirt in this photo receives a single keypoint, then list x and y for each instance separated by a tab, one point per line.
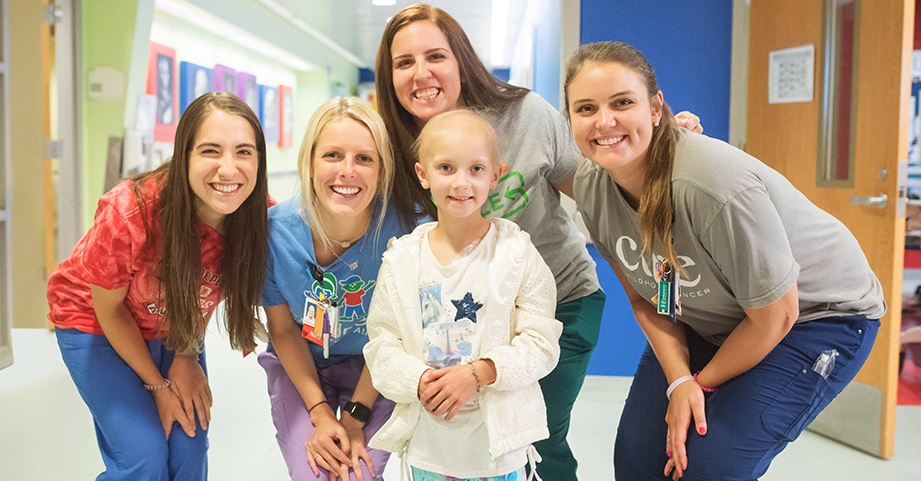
133	300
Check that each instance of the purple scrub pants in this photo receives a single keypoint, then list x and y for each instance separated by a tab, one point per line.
292	421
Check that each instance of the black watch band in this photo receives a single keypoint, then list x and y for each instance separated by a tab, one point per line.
359	411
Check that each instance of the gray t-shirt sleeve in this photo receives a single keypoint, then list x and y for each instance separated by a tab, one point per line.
749	244
567	153
536	150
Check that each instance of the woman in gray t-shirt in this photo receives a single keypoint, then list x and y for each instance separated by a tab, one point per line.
426	66
732	274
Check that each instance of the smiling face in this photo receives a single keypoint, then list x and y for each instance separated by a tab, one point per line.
345	170
612	115
459	168
426	77
223	166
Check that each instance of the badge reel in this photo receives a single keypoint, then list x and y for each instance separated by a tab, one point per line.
668	298
321	320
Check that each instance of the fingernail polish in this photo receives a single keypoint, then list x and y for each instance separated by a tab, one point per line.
668	453
702	431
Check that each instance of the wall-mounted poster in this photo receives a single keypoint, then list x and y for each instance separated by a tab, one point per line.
285	116
225	78
161	81
248	90
268	112
194	81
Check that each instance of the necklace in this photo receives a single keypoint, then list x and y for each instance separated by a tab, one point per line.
346	244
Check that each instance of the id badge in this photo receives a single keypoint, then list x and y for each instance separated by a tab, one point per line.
320	321
312	319
667	299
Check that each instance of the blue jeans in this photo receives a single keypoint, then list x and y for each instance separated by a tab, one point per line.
750	418
128	428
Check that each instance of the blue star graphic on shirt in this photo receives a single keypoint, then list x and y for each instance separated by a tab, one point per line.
466	308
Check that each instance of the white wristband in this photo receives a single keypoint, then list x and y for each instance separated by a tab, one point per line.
681	380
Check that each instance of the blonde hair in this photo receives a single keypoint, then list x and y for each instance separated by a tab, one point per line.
334	110
466	120
657	205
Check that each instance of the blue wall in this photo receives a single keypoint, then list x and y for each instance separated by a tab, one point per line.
688	44
621	341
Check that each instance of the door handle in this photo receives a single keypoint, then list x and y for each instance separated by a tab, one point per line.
879	201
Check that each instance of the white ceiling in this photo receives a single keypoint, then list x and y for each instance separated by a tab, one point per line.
357	25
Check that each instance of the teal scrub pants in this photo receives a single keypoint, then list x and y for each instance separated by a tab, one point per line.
581	320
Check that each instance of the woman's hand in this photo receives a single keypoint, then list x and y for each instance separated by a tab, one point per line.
170	409
689	121
687	401
358	448
329	446
448	390
123	333
189	382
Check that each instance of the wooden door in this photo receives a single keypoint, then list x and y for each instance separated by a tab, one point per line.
786	136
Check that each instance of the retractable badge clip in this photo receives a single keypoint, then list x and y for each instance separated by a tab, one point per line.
321	314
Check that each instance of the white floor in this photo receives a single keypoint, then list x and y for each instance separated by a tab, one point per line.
46	432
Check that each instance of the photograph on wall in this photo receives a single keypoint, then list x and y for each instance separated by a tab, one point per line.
268	112
225	79
248	90
194	81
285	116
161	81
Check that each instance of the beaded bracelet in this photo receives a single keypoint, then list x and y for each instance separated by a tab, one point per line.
159	386
702	387
475	376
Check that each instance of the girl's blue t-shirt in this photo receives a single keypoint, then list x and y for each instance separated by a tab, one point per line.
349	280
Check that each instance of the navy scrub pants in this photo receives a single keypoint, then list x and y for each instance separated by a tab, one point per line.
750	418
128	428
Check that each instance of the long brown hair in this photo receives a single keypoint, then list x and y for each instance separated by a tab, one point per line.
657	205
245	236
478	89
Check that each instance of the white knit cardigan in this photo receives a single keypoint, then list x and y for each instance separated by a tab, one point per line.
520	336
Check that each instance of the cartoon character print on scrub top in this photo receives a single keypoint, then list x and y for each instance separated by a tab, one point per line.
355	289
350	299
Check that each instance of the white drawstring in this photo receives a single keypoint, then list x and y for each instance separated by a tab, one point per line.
404	464
533	459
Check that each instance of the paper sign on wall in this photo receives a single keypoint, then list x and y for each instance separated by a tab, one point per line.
791	75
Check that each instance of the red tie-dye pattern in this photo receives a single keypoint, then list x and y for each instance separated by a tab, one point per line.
116	253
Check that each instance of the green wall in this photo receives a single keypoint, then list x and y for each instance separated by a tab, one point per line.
117	35
108	30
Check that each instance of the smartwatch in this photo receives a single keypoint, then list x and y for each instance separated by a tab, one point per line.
359	411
